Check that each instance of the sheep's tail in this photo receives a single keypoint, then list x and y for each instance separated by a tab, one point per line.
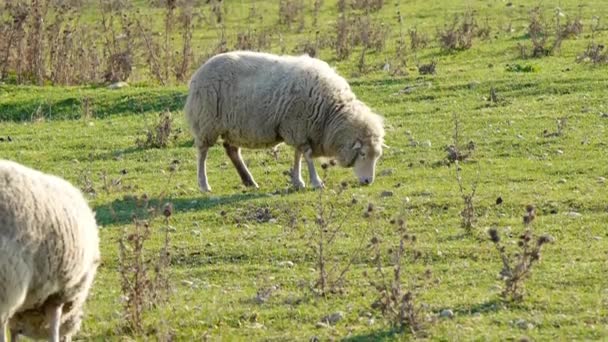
15	278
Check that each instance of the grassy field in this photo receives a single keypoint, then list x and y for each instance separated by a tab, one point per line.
233	243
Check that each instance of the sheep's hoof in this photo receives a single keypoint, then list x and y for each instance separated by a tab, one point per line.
251	184
298	184
318	185
205	188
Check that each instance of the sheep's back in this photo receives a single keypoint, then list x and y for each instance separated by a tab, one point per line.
246	96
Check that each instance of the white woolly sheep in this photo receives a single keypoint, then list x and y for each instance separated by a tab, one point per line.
258	100
49	253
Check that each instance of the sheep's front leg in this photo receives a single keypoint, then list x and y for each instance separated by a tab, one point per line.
296	172
14	335
234	153
315	181
53	316
203	184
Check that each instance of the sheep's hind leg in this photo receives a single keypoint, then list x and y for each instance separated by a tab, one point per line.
203	184
53	314
296	172
4	327
315	181
234	153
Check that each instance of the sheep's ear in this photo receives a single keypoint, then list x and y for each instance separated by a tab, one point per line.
357	145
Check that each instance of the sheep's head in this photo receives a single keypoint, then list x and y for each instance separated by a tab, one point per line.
362	157
360	138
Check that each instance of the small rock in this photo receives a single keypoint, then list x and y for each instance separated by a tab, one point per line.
256	325
118	85
559	152
574	214
287	263
522	324
187	283
272	220
386	194
604	115
519	136
426	143
562	181
333	318
447	313
321	325
172	229
601	180
386	172
196	232
407	90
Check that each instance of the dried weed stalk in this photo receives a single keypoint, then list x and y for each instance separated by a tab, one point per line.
144	278
396	303
331	273
455	155
516	268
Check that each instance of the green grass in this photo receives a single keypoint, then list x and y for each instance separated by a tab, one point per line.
228	262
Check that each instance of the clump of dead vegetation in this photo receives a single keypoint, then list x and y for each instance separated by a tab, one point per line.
428	68
594	53
161	134
546	41
561	124
459	34
397	303
358	31
516	267
49	41
290	12
367	5
418	40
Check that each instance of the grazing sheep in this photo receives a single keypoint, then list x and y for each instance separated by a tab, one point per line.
258	100
49	252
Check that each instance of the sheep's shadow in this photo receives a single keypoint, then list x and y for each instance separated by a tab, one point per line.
122	211
493	305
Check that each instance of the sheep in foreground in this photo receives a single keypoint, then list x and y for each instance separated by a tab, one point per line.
258	100
49	252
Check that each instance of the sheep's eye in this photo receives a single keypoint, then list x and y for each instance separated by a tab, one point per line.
361	154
